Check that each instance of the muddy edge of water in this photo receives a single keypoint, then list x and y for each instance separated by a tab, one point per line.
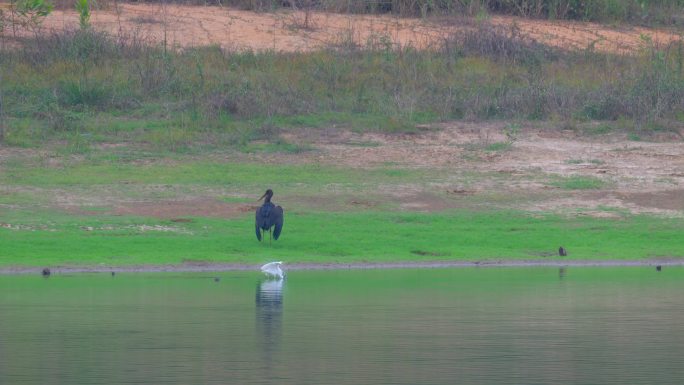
221	267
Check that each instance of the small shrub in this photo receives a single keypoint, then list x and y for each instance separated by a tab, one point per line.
61	119
30	13
499	43
77	143
599	129
87	94
83	9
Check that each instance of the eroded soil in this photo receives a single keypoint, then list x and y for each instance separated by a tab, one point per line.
637	176
288	30
179	210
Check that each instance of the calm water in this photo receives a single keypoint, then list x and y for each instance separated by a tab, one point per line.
440	326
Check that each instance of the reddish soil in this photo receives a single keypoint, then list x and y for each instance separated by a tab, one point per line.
288	30
178	211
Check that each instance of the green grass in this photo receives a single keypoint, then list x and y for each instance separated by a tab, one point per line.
277	147
363	143
190	172
499	146
50	238
320	227
578	182
581	161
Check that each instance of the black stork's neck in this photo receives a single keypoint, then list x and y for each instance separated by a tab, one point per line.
267	196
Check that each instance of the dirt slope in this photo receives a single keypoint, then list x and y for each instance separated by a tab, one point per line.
291	31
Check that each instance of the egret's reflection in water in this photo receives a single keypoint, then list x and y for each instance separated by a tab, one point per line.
269	317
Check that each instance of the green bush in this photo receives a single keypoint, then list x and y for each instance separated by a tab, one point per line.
73	94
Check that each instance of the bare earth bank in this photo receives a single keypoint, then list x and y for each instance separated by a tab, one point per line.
221	267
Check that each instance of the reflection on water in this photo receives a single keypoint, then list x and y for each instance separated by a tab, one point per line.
604	326
561	272
269	317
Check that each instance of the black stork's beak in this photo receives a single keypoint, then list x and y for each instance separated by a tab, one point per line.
268	192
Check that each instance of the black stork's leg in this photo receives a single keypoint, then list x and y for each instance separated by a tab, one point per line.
269	237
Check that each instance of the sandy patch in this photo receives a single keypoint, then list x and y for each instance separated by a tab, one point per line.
635	165
664	200
636	176
285	30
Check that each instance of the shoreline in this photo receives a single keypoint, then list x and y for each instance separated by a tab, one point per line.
228	267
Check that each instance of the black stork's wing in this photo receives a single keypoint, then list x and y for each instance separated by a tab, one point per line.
277	217
257	224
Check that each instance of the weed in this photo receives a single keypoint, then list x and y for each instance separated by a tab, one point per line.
277	146
599	129
362	143
512	131
172	138
499	146
584	161
77	143
578	182
67	81
83	9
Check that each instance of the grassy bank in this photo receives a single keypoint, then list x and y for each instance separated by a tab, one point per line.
87	87
90	123
61	210
49	238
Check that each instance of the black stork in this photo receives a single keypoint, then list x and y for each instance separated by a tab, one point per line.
268	216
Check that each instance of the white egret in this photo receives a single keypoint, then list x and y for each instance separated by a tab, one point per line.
272	269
